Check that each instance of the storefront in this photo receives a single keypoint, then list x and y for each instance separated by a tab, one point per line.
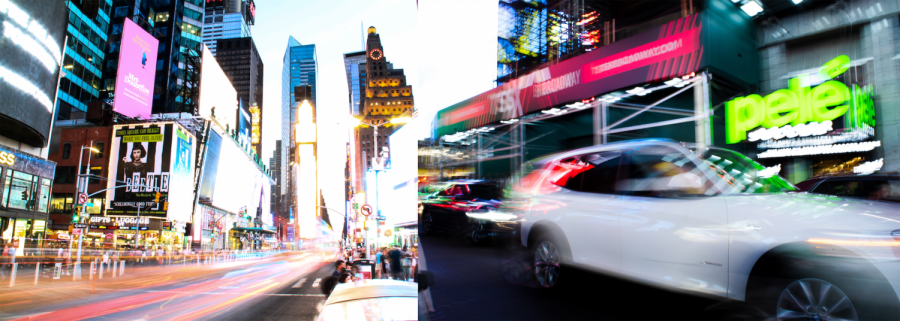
214	226
666	82
132	232
25	184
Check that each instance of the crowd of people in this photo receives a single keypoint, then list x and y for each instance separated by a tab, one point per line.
390	263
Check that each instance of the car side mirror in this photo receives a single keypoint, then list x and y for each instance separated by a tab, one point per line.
426	279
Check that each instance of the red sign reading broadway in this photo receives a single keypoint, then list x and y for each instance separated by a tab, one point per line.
671	50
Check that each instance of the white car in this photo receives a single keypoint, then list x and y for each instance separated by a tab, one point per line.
372	300
713	222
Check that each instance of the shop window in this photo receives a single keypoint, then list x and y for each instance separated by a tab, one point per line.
19	190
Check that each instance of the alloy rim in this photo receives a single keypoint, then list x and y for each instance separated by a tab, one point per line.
814	299
546	264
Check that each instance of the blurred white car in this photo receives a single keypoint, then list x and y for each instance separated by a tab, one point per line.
372	300
713	222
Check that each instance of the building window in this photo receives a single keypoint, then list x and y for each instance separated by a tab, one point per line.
25	191
121	12
99	146
67	149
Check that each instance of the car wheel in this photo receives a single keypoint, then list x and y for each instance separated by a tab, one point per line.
814	299
547	262
828	290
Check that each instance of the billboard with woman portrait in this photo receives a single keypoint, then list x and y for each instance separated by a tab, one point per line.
146	159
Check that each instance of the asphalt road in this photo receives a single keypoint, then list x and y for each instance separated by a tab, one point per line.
280	287
487	282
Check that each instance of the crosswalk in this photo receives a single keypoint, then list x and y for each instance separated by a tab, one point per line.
299	284
316	283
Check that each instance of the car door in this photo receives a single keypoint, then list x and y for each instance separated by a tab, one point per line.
442	211
591	215
673	224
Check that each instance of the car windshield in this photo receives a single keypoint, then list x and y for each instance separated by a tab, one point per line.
741	174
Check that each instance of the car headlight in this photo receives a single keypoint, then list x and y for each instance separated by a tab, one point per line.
492	216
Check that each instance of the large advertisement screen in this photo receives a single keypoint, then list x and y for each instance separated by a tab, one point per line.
31	40
217	95
146	159
240	184
133	95
211	165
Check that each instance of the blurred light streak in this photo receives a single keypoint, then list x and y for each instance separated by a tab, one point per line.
852	243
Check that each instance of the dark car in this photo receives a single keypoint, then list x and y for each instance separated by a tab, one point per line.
872	187
468	211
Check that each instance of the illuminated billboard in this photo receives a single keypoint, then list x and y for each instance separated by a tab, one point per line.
133	95
31	40
146	159
240	184
307	191
218	99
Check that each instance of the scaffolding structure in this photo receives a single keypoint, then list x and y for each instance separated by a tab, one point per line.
533	32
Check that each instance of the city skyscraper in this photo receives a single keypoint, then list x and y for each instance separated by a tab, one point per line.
177	25
386	96
227	19
241	62
300	68
352	61
83	61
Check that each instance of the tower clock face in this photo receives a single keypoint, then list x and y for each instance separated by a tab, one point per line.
375	54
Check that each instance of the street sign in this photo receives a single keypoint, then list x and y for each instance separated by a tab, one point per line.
80	225
367	210
381	218
82	198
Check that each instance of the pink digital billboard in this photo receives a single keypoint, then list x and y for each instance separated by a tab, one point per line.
137	70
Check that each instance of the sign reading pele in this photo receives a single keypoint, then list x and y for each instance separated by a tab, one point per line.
141	158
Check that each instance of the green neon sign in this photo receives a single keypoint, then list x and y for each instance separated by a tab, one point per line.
800	104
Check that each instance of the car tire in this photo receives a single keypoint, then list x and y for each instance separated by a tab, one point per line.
827	290
545	255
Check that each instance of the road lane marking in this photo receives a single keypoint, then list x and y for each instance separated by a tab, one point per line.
316	282
15	303
299	283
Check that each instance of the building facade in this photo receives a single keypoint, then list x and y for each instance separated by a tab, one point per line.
300	68
84	56
240	61
30	72
227	19
385	95
352	61
177	25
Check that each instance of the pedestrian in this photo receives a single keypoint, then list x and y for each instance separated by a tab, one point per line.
378	258
396	265
385	272
339	268
354	273
344	278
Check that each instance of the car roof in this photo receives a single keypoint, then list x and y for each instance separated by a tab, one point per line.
372	289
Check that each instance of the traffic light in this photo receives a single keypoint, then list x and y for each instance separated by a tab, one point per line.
158	194
74	218
166	206
24	195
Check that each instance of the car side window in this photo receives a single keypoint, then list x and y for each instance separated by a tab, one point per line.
851	188
882	190
601	173
660	171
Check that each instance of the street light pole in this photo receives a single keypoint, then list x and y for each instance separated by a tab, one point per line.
82	188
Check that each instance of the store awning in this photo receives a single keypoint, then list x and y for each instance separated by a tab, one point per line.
253	229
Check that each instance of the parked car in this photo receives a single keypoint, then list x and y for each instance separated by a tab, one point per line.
372	300
871	187
710	221
467	209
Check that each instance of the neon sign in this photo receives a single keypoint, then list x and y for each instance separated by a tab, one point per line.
801	111
254	121
7	158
